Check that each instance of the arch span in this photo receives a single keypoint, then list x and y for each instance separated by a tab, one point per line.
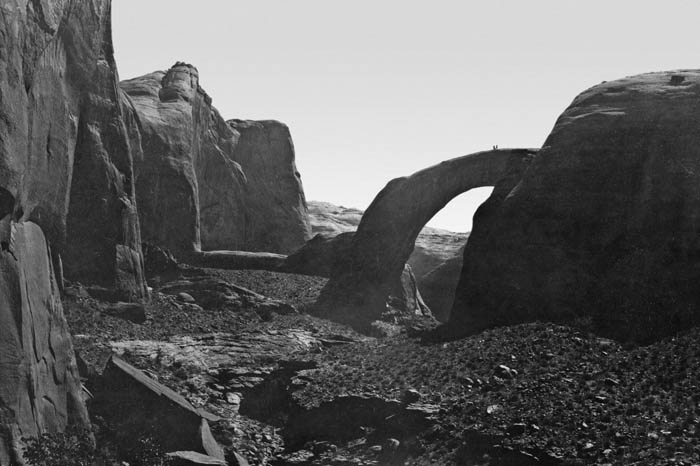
361	279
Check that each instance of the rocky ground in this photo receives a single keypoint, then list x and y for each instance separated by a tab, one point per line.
293	389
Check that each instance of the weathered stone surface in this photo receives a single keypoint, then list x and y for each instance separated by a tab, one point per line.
361	281
212	293
192	458
277	215
39	382
433	246
238	260
318	257
65	156
186	172
134	403
604	224
438	286
204	184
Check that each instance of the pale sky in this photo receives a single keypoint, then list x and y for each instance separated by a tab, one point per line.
373	90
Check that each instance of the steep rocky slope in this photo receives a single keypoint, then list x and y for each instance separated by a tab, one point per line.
206	184
604	224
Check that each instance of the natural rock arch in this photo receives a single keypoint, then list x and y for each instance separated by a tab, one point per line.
361	279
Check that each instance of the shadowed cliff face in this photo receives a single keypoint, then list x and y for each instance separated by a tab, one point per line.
361	280
67	198
206	184
605	223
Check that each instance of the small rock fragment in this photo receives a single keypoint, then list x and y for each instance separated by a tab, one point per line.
185	297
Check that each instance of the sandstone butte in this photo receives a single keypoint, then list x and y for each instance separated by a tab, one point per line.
604	225
206	184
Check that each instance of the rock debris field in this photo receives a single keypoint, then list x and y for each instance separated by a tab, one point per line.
294	389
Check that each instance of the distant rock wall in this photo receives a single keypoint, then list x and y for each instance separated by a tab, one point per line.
185	177
203	184
277	217
604	227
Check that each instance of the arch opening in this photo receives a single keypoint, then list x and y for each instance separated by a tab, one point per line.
361	280
436	260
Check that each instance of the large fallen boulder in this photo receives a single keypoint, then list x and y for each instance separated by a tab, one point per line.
136	406
604	227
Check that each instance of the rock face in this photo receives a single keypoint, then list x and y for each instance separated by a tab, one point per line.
67	202
438	286
39	383
360	281
436	260
404	303
433	246
185	176
276	212
65	154
604	225
206	184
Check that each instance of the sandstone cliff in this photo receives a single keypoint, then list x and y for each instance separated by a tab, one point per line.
67	201
605	224
204	184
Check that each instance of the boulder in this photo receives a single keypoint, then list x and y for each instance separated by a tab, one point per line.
137	405
192	458
604	226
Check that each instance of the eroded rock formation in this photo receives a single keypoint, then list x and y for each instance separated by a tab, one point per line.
67	200
360	281
276	212
39	383
204	184
605	224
